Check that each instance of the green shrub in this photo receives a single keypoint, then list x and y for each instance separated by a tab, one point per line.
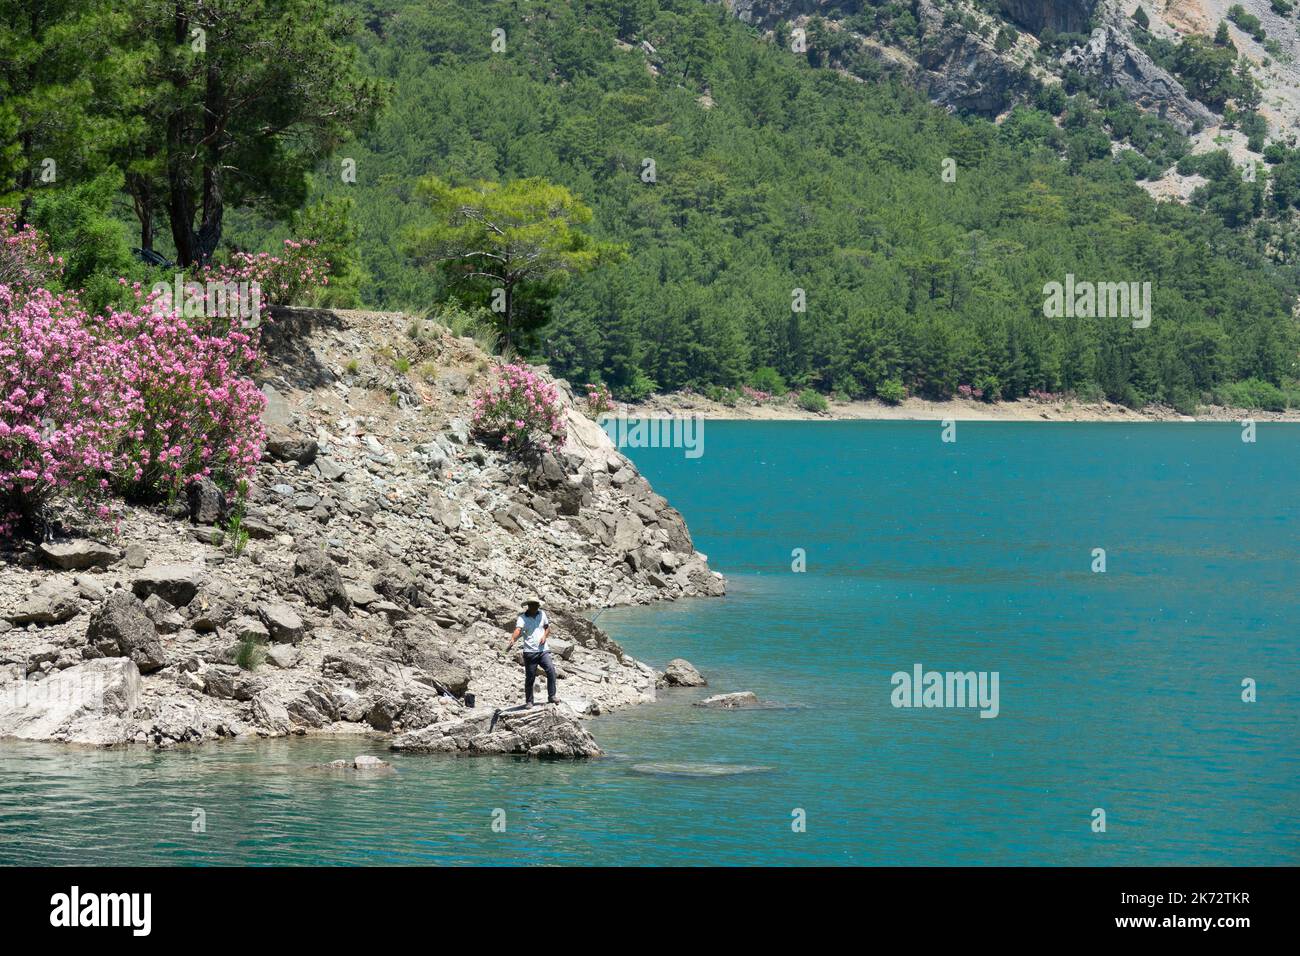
251	655
891	391
1090	393
639	387
1183	402
811	401
990	386
1246	21
768	379
1252	393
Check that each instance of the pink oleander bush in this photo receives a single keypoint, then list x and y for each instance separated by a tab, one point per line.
520	412
197	412
25	258
599	399
139	401
283	277
65	397
755	395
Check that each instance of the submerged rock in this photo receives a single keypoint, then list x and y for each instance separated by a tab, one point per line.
697	769
360	762
744	698
548	732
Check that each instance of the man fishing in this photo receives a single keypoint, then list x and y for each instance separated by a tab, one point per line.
535	627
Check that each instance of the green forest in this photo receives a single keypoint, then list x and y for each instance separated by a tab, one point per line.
756	219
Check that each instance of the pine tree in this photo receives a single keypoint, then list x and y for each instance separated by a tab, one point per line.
66	82
244	98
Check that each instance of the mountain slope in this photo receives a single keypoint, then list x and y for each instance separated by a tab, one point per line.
771	177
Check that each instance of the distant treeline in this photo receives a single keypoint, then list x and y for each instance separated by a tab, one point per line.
769	177
785	226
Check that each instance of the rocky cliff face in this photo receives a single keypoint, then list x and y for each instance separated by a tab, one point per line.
956	58
1112	57
1063	16
386	557
963	71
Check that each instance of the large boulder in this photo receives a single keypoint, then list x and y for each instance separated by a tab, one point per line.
681	673
400	585
346	666
78	555
285	444
282	622
548	732
317	579
270	715
445	669
696	579
212	607
122	627
53	602
89	703
230	683
174	583
627	534
207	502
674	525
582	631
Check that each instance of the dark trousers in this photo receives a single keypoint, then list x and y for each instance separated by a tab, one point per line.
531	663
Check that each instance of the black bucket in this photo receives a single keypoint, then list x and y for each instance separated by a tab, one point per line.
469	700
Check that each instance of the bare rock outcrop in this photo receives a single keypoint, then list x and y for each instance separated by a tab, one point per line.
373	592
1116	60
85	704
682	673
547	732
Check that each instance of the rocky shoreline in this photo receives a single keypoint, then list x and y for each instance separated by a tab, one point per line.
372	580
677	404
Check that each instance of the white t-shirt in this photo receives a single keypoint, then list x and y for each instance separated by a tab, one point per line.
532	630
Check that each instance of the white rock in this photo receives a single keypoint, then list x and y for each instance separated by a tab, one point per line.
86	704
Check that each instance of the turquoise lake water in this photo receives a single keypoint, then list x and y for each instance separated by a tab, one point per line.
1119	690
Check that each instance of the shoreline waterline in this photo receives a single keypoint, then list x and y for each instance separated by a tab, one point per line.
957	409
